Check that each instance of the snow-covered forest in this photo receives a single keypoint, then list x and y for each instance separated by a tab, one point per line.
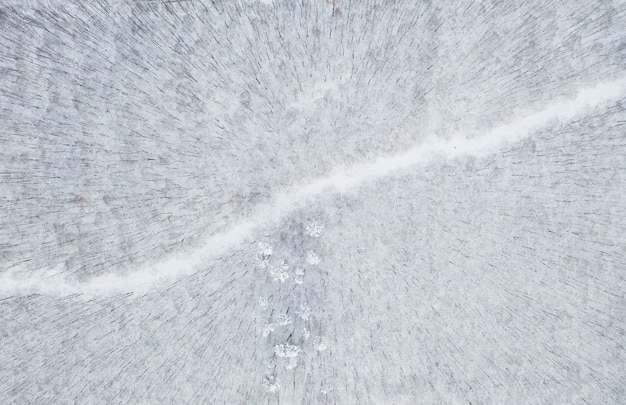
312	202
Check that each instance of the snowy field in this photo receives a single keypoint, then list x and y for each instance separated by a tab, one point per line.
312	202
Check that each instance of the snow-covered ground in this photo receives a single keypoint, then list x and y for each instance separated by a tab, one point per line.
312	202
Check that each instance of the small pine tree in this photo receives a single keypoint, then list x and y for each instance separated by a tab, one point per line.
266	329
304	312
271	383
320	344
312	258
287	350
263	302
313	229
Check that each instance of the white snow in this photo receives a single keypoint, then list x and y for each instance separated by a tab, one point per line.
320	202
